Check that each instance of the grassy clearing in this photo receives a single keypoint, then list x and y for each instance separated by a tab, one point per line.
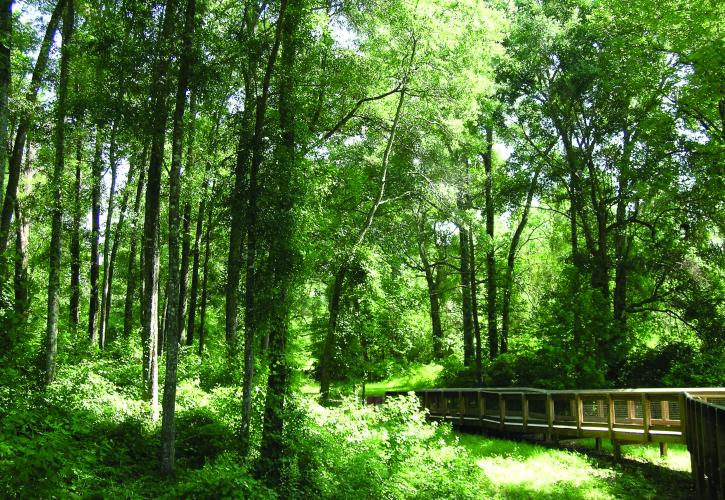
517	469
414	378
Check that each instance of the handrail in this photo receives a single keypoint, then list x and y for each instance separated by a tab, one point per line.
705	436
643	415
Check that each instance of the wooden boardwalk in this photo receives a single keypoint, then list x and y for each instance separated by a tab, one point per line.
695	416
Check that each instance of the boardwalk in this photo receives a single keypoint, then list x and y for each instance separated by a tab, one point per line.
695	416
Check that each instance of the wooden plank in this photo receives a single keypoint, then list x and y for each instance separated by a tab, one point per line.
646	415
502	411
549	417
720	445
610	416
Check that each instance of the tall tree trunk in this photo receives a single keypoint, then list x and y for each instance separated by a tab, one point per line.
184	271
433	296
159	117
251	219
240	191
131	275
75	242
95	232
22	232
107	238
282	258
16	158
474	309
174	299
465	272
6	36
511	262
204	283
117	236
51	330
194	292
491	250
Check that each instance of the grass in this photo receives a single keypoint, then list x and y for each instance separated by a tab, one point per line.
417	377
414	378
518	469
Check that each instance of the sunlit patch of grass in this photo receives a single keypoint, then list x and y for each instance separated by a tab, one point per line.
416	377
517	469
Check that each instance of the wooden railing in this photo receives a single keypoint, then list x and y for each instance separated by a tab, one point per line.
692	416
705	435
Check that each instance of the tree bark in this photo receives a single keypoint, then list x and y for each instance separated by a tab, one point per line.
173	300
465	273
6	36
107	238
51	330
22	233
117	236
251	219
75	243
158	119
131	275
204	284
95	232
240	191
184	271
474	309
194	292
282	258
491	251
433	296
16	158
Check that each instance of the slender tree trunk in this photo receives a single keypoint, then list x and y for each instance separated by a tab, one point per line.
240	191
159	117
75	244
22	233
465	272
491	251
131	275
107	239
328	347
51	331
251	219
194	292
184	271
433	296
95	232
117	236
22	277
174	299
511	262
339	278
474	309
204	284
16	158
282	257
6	36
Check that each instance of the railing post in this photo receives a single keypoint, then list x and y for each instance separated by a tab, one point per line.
445	405
525	411
646	416
549	417
502	411
610	416
461	407
579	413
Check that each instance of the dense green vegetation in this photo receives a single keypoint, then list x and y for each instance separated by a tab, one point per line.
224	222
